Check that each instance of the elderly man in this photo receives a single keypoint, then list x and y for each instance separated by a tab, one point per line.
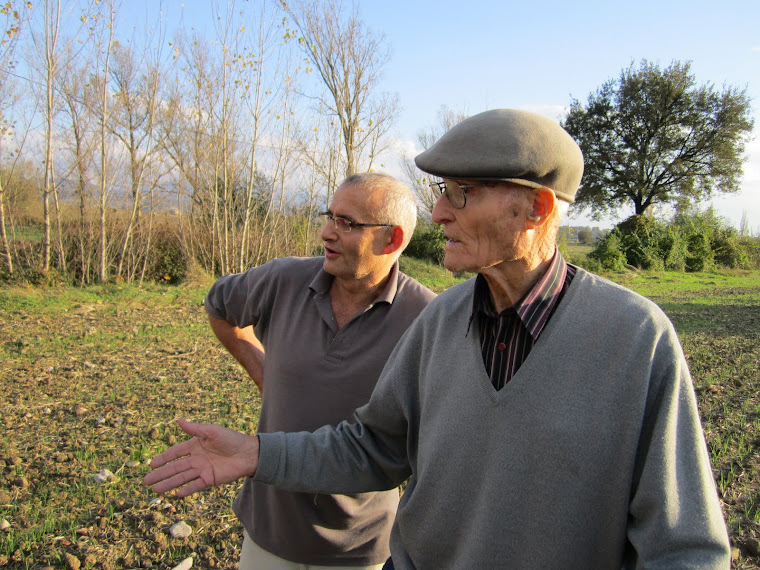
328	325
545	417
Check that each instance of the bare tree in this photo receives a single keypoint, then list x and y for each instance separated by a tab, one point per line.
418	180
349	59
14	15
267	99
76	96
50	54
136	92
103	117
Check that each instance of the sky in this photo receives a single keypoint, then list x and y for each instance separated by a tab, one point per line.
475	55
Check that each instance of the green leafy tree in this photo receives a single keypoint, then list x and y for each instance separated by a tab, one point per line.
654	135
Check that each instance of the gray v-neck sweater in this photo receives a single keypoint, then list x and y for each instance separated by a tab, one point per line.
592	456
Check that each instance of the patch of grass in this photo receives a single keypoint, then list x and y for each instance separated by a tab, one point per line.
432	276
717	316
94	379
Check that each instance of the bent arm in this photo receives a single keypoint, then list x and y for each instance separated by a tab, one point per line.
243	345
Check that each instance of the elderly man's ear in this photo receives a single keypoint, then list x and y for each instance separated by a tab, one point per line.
544	202
394	240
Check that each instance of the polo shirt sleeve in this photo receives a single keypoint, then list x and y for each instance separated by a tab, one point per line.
241	298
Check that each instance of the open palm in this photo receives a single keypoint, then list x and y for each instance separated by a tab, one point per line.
214	456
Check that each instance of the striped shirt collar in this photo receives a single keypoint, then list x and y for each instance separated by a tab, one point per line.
536	306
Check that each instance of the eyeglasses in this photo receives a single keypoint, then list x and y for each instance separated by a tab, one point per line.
454	191
344	224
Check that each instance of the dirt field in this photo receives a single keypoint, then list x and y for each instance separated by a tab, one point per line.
94	380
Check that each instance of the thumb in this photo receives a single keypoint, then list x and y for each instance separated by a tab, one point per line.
193	429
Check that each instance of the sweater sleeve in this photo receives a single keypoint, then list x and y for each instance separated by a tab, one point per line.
675	515
367	454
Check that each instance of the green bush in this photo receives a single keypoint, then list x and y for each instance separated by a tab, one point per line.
608	253
674	249
751	247
700	256
728	249
427	243
689	242
168	261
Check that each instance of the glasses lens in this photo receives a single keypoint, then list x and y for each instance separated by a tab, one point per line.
455	193
451	189
342	224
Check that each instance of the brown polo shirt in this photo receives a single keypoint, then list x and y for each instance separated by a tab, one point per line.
314	375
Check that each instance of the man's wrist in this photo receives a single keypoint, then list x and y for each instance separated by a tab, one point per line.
252	462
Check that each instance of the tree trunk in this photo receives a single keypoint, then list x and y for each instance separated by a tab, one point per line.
3	234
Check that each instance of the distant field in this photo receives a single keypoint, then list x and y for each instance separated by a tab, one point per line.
95	378
577	250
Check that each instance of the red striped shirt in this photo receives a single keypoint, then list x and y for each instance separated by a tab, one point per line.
507	338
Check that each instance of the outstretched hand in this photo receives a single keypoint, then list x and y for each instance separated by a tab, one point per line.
214	456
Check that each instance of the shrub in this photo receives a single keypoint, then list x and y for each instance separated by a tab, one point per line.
728	249
168	261
751	247
609	253
700	256
427	243
673	249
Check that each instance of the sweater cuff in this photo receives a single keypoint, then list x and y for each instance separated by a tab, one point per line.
271	449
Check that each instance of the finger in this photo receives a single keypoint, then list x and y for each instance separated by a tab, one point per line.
192	487
173	453
192	428
168	470
175	481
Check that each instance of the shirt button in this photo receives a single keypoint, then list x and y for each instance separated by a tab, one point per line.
501	346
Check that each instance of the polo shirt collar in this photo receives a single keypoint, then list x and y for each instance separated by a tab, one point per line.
322	281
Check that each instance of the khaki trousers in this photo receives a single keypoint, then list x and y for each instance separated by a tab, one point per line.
254	557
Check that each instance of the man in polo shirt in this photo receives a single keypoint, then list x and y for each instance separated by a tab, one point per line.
328	325
545	417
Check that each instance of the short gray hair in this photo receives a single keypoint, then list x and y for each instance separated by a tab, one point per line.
399	206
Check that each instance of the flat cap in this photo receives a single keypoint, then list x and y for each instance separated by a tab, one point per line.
510	145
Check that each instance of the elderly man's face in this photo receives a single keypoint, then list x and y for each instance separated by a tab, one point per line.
489	230
357	254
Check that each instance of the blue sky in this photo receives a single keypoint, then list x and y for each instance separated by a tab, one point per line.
472	55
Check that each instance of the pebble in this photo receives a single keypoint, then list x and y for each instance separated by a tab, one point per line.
132	464
180	530
155	502
22	482
104	476
186	564
5	525
72	562
753	546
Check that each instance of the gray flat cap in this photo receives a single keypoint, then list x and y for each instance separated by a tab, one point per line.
510	145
